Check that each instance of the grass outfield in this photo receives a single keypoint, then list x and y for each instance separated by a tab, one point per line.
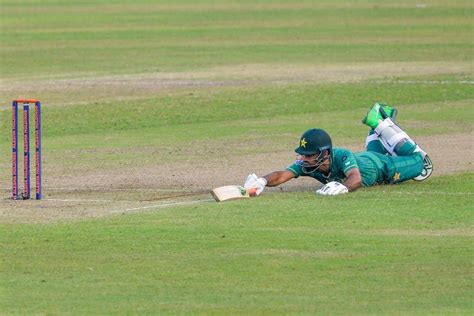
60	38
397	250
150	103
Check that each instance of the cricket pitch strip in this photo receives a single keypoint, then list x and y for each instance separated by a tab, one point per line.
64	205
77	197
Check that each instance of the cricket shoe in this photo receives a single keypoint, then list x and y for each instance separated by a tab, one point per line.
427	169
378	112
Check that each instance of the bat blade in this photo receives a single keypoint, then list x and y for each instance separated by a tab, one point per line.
232	192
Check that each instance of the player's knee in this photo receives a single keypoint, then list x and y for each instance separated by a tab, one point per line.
416	168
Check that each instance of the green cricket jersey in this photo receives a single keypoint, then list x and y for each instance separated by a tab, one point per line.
374	168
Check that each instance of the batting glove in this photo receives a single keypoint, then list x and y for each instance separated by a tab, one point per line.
333	188
253	181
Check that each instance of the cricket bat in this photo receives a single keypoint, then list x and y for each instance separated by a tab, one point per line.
232	192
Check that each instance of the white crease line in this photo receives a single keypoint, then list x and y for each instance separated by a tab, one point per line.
116	189
159	206
109	190
90	200
79	200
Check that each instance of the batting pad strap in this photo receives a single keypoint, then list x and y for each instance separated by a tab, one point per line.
395	139
383	125
390	133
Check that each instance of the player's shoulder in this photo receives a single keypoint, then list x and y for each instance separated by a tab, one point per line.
344	159
339	151
342	155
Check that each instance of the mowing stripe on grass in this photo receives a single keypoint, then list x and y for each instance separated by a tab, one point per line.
426	81
135	209
430	193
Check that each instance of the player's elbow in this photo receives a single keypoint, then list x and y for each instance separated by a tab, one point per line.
354	180
355	185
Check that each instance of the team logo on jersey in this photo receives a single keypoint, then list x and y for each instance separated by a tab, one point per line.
396	176
303	143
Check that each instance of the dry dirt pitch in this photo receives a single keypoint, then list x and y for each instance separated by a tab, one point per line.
81	194
145	189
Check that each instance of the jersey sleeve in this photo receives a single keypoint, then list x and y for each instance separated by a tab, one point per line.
345	160
295	168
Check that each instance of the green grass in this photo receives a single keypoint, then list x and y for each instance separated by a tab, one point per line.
264	117
404	249
281	253
220	105
126	37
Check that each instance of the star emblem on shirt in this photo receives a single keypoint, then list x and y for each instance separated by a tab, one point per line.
396	176
303	143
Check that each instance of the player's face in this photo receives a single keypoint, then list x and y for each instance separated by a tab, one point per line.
326	164
318	162
310	160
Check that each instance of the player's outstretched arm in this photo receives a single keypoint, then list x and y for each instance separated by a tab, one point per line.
278	177
272	179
